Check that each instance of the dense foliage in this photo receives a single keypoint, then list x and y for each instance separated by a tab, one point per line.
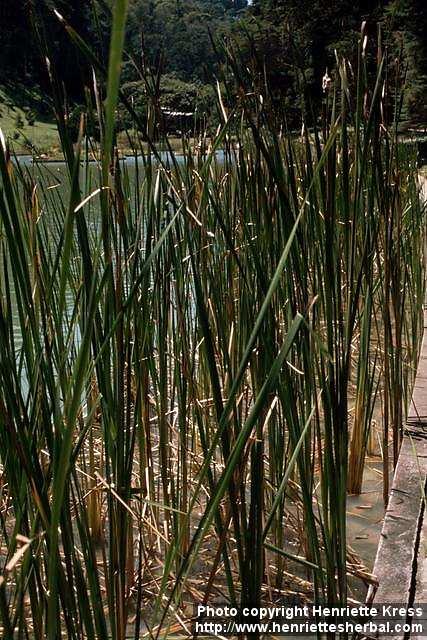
296	41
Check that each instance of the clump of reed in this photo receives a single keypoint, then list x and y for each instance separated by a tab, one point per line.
182	339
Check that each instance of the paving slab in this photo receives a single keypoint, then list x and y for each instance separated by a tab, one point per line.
401	563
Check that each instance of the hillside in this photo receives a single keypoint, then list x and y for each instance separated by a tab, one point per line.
22	122
292	42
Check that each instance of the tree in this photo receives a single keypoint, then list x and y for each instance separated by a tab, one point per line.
407	24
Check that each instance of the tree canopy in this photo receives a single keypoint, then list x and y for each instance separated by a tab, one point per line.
295	40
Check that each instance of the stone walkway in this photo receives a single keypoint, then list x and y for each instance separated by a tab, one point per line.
401	562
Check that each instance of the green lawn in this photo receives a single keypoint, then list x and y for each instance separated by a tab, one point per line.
37	135
24	128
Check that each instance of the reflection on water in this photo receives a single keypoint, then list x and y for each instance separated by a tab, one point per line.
165	156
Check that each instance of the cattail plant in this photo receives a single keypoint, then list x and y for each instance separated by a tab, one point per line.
192	349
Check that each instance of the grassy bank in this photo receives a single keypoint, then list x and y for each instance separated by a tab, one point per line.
30	133
27	129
